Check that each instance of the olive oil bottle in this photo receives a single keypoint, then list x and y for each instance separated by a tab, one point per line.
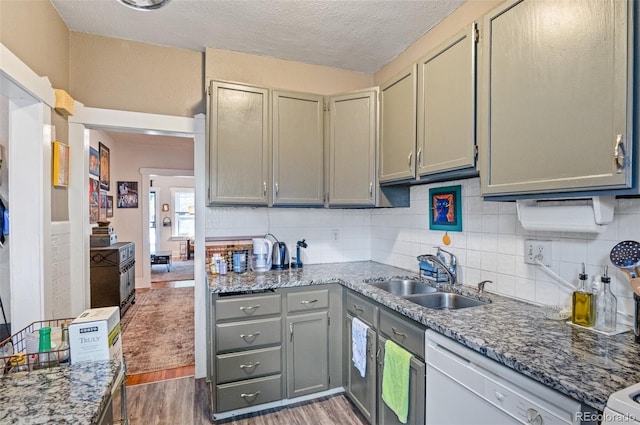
583	311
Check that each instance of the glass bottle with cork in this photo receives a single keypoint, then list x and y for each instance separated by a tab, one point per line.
583	311
607	306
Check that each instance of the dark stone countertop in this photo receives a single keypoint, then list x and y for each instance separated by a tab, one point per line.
580	363
75	394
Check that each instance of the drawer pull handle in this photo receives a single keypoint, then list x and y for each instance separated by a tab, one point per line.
396	332
290	332
249	336
249	366
358	308
250	308
250	395
308	302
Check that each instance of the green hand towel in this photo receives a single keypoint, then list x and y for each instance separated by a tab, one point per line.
395	379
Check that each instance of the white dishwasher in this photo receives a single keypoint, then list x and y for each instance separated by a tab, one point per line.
465	387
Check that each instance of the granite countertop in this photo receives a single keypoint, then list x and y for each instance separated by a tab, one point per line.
75	394
580	363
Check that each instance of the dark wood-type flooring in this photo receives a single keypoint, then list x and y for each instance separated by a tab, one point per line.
175	397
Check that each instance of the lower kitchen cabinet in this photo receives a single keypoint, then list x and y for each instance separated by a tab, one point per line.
307	353
362	389
410	336
273	346
417	384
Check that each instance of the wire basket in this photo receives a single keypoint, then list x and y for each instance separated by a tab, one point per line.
19	352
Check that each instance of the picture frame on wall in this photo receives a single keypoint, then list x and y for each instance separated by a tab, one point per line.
445	208
94	207
127	194
105	163
60	168
109	206
94	162
103	204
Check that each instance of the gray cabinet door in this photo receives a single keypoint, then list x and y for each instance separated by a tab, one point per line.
417	384
298	162
555	96
446	105
362	390
352	149
398	126
238	144
307	353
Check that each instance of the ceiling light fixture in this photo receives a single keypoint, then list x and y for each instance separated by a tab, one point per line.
144	4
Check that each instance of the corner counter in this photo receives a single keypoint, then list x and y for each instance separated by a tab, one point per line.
579	363
77	394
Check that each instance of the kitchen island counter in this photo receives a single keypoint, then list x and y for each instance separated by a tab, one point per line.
75	394
577	362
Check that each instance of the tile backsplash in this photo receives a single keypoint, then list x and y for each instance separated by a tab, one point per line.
491	245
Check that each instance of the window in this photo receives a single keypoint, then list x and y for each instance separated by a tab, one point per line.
183	211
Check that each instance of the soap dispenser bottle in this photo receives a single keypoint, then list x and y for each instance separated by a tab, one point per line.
607	306
583	308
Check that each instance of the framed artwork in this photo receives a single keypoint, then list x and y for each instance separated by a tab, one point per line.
445	208
105	160
60	169
103	204
94	207
127	194
94	162
109	206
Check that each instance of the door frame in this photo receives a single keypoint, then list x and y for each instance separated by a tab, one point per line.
87	118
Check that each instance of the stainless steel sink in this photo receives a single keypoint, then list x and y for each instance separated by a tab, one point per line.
404	287
444	301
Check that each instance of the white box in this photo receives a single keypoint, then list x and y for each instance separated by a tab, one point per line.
95	335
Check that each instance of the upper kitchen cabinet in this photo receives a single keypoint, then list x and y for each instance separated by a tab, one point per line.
555	97
352	148
398	126
298	161
446	106
238	144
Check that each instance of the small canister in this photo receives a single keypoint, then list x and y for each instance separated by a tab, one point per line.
240	261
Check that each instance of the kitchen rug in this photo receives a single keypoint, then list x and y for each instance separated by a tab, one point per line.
158	330
180	270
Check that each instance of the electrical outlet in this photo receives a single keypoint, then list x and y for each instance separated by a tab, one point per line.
535	249
335	235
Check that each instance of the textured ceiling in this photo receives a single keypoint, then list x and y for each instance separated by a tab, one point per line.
357	35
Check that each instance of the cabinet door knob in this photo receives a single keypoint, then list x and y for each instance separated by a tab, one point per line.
420	157
277	189
249	308
409	163
290	332
370	189
357	308
398	333
249	336
250	395
264	188
620	155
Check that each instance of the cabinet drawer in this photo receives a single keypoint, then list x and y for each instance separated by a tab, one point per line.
248	307
403	332
248	364
307	300
248	334
361	308
248	393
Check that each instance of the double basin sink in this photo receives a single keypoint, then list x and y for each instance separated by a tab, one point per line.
425	295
